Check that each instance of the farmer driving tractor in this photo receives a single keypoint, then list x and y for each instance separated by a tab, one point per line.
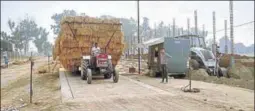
94	52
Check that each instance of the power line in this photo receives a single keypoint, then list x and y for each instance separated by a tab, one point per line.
234	27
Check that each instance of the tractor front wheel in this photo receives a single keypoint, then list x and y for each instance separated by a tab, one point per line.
89	76
115	76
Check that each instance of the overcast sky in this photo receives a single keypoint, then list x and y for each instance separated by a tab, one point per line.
41	12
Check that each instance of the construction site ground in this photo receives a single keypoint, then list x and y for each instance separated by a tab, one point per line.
64	91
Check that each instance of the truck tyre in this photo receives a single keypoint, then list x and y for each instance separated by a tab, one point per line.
115	76
224	72
194	64
89	76
220	73
209	72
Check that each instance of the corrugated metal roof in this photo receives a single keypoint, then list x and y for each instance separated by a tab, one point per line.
151	42
154	41
159	40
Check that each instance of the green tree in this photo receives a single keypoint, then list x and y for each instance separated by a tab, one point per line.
129	27
28	30
11	24
47	48
83	14
15	37
107	16
5	41
5	36
40	39
22	33
146	28
58	17
18	40
160	30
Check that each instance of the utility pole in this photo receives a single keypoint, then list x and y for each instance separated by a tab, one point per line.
178	31
138	35
132	51
204	35
129	41
214	41
196	32
203	30
169	34
173	27
214	35
182	31
231	33
49	62
191	39
155	30
226	38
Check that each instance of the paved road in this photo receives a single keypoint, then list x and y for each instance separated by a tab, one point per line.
147	95
136	92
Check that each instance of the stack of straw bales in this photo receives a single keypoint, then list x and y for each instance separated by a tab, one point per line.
77	35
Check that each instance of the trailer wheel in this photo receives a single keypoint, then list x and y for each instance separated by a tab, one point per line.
115	76
89	76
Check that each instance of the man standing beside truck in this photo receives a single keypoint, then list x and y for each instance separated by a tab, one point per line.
163	63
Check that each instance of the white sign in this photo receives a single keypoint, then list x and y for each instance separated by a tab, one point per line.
177	42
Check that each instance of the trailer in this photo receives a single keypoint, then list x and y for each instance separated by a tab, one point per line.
179	49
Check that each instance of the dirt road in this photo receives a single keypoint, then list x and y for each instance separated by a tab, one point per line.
14	72
131	93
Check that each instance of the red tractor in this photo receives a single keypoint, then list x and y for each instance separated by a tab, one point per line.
100	64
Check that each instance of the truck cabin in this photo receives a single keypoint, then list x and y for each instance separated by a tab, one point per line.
195	40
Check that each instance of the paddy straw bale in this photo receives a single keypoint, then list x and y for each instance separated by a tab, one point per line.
78	33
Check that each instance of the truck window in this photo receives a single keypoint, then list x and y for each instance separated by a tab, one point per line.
207	54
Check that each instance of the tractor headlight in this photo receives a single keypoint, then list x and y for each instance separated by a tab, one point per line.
86	57
109	57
